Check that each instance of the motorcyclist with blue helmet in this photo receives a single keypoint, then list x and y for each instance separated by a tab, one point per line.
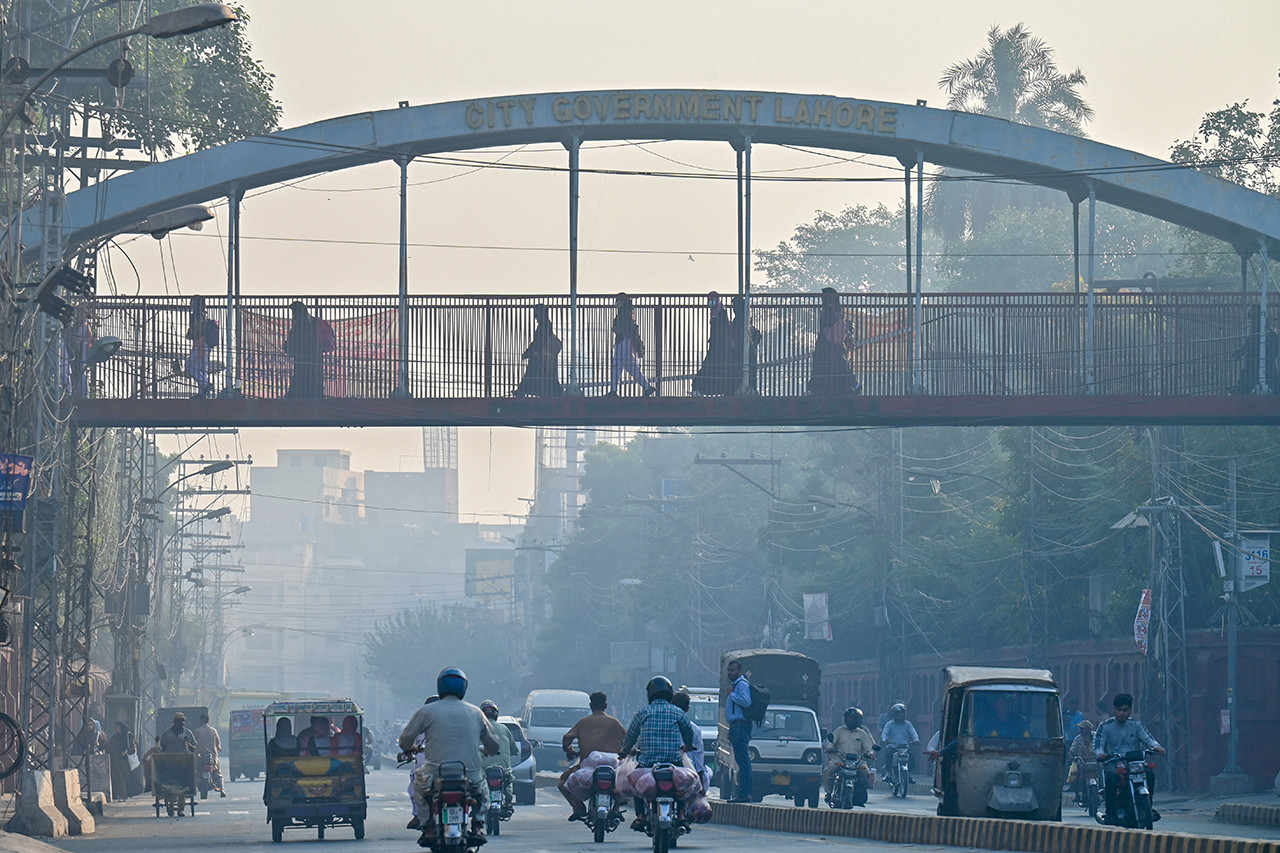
453	730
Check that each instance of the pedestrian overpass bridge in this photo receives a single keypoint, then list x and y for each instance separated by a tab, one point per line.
409	359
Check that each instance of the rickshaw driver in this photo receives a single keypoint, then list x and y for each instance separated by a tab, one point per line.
453	730
1002	721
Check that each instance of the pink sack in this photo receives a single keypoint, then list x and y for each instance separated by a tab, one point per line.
688	782
579	782
643	784
700	809
596	758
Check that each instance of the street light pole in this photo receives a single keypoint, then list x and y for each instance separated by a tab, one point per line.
192	19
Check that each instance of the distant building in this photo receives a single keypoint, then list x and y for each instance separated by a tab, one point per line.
330	551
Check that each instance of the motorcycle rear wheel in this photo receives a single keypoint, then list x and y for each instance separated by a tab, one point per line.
492	823
357	823
598	829
661	843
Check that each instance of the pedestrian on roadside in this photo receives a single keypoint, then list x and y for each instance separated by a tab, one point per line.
739	729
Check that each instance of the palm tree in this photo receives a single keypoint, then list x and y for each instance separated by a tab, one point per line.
1016	78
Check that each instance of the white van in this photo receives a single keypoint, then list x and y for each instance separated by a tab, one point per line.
547	715
704	710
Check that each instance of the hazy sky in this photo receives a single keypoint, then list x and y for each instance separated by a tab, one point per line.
1154	68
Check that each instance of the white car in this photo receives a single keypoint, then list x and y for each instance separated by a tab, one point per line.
526	771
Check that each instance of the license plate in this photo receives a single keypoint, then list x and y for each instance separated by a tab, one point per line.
454	814
782	778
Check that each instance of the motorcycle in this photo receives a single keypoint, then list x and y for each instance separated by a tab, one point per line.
665	810
205	779
849	786
500	806
604	812
899	777
1133	793
452	807
1089	780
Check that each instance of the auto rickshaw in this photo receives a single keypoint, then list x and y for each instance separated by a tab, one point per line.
319	787
1001	743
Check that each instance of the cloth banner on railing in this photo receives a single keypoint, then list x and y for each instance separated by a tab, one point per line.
881	339
362	364
1142	622
817	622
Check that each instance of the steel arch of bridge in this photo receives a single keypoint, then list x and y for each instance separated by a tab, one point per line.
913	134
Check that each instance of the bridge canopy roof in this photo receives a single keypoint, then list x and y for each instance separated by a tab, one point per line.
966	141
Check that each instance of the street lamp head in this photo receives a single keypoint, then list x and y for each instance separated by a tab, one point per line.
215	467
192	19
241	590
103	348
214	513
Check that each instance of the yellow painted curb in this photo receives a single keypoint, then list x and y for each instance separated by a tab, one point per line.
1253	815
987	833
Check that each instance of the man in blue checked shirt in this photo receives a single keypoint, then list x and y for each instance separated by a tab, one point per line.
659	732
739	728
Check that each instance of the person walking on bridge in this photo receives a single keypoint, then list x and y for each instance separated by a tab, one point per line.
628	349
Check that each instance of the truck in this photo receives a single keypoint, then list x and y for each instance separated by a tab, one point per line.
786	746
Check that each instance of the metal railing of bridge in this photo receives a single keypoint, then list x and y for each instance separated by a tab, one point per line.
1002	344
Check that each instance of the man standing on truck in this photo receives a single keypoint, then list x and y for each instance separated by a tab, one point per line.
739	728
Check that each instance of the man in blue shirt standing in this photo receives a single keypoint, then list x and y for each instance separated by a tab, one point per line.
739	728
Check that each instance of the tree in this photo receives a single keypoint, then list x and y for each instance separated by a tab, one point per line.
1014	77
407	650
1239	145
860	250
187	92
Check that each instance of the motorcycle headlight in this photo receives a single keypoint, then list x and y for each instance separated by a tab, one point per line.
812	756
1013	779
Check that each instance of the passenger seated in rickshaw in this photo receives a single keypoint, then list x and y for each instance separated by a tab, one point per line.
348	741
319	740
1000	719
284	744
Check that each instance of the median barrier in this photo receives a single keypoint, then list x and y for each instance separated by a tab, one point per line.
986	833
1252	815
37	815
66	796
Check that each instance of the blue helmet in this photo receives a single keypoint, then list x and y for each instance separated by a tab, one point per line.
451	682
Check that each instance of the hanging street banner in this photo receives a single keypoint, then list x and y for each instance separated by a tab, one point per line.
817	622
1255	562
1142	622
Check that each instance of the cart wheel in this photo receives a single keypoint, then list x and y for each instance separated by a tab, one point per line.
357	823
277	829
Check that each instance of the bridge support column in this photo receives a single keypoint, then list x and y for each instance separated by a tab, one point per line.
231	388
401	391
917	345
744	259
574	389
1090	385
1263	386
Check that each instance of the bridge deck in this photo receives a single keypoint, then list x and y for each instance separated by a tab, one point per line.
976	358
